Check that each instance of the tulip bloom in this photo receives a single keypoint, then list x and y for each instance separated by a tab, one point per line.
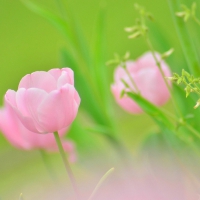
45	102
22	138
148	79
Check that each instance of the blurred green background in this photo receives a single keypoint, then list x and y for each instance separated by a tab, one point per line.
29	43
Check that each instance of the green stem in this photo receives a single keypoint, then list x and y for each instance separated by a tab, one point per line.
190	128
100	183
194	131
132	80
158	63
67	166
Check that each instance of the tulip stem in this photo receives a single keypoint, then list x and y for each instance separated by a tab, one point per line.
67	166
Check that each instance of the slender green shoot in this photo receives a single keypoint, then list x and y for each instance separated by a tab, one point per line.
105	176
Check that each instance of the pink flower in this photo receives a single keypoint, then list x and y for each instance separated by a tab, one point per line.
148	79
22	138
45	102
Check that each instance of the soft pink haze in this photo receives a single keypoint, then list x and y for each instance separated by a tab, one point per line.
45	102
148	79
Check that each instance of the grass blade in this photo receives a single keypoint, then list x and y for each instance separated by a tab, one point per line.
185	39
87	97
55	20
100	69
105	176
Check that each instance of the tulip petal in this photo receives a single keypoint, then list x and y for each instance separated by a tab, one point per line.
147	60
132	67
77	98
56	73
70	73
21	102
10	98
20	137
125	102
119	74
34	98
9	126
58	109
41	80
26	121
63	79
18	101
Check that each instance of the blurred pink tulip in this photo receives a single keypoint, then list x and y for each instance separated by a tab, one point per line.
22	138
148	79
45	102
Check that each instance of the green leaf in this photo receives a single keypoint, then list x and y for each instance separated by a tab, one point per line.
135	35
57	21
122	93
188	91
157	115
185	40
166	126
184	73
88	101
167	53
99	49
179	80
99	129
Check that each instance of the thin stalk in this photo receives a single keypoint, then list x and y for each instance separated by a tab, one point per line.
100	183
194	131
132	80
196	20
162	73
186	42
190	128
67	166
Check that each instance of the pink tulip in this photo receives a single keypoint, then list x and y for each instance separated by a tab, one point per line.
148	79
45	102
22	138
